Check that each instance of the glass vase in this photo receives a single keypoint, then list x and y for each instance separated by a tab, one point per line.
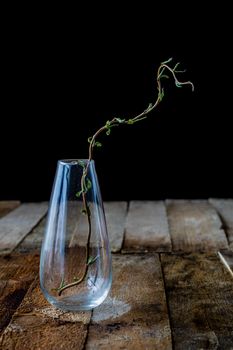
75	264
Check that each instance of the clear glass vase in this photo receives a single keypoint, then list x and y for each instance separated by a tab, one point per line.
75	264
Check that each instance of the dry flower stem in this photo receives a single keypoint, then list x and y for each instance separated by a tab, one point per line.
164	66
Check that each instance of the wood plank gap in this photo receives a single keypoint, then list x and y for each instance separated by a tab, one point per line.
167	303
123	242
88	326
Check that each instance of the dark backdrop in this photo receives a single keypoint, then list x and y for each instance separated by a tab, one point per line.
60	83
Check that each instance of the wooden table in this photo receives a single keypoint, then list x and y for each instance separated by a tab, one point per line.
170	288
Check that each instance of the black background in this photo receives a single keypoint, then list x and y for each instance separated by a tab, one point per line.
65	74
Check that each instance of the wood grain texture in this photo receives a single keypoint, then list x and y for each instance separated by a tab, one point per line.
16	225
195	226
115	217
38	325
134	316
33	241
16	274
225	209
147	227
200	297
199	286
7	206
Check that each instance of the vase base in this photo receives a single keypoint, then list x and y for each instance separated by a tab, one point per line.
74	304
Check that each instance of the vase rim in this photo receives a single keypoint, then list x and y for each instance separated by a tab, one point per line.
73	161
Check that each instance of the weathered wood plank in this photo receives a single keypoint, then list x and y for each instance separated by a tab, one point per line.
16	274
134	316
33	241
195	226
225	209
115	217
147	227
200	298
17	224
7	206
38	325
